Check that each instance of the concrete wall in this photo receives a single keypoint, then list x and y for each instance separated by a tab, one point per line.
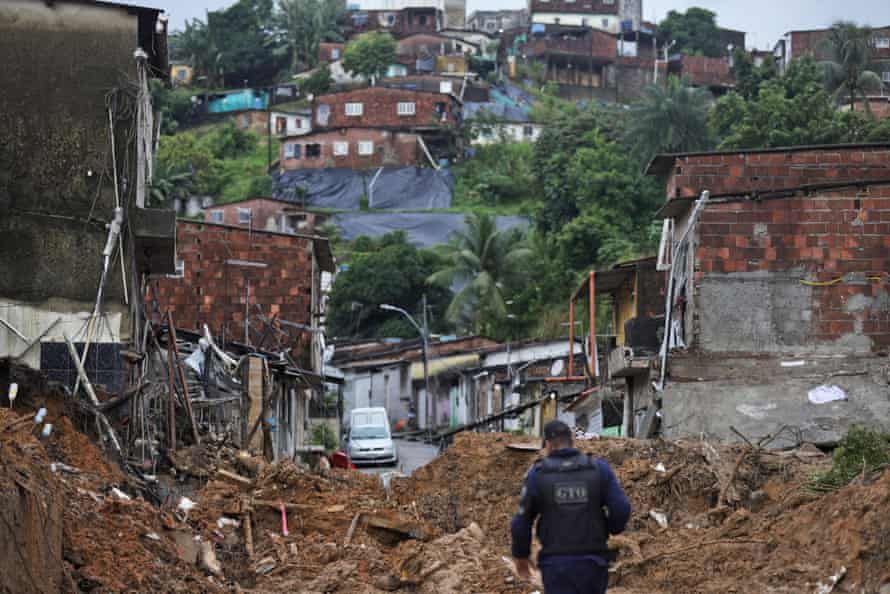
759	396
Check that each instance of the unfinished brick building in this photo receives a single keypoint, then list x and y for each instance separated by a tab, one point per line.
228	277
780	290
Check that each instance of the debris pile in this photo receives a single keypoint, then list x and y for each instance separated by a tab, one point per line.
706	518
83	531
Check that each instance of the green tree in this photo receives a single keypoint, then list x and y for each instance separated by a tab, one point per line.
748	77
485	263
319	82
301	25
794	109
370	55
695	32
241	33
194	46
385	270
673	118
168	183
847	72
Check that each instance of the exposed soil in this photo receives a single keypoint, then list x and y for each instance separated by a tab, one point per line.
738	520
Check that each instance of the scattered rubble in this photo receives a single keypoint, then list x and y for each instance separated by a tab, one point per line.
707	518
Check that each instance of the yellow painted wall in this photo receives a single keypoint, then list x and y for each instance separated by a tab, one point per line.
625	309
180	74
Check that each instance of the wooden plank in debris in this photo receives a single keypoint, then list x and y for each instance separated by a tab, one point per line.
405	527
524	447
171	331
171	401
235	478
88	388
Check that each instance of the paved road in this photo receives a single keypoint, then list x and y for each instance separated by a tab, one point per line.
412	455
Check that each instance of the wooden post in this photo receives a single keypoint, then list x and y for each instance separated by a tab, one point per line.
254	402
171	401
571	366
171	333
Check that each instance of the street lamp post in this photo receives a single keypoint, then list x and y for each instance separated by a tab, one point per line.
424	336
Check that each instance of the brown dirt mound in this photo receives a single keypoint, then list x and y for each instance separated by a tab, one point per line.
739	520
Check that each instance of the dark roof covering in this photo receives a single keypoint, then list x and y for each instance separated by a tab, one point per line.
662	163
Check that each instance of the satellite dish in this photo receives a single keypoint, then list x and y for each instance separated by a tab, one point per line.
556	368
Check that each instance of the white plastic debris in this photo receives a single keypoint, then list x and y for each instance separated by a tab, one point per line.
62	467
660	518
660	467
186	505
153	536
825	394
120	494
832	582
800	363
223	522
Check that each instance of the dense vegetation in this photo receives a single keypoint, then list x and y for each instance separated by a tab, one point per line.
582	184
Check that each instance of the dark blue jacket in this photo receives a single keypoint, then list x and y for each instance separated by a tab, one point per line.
612	496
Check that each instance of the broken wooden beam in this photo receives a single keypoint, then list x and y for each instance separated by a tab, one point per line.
171	334
88	388
235	478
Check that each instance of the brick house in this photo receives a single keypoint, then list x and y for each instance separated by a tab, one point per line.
268	214
228	276
399	22
797	44
376	107
703	71
351	148
780	291
330	52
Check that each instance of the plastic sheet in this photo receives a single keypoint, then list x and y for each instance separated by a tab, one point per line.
422	229
397	188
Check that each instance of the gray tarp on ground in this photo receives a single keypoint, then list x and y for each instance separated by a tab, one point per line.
402	188
423	229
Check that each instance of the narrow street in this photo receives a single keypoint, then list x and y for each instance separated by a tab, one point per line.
412	455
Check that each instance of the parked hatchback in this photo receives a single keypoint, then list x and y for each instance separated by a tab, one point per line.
368	439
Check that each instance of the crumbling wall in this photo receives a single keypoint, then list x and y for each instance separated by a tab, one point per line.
760	396
60	62
219	262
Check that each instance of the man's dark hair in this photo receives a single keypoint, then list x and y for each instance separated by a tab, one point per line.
558	434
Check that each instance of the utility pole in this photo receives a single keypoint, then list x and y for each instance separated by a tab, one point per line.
426	371
424	343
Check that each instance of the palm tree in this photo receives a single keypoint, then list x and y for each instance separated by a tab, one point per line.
302	25
846	71
672	119
168	183
482	261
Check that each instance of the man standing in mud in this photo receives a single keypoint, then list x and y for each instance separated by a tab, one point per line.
577	502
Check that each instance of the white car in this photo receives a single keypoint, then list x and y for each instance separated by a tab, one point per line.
368	439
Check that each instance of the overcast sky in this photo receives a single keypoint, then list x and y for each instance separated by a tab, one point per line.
764	20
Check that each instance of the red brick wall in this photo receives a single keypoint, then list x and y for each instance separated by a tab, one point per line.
810	43
879	107
213	292
325	51
705	71
828	236
380	109
744	173
595	43
390	148
585	6
261	210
